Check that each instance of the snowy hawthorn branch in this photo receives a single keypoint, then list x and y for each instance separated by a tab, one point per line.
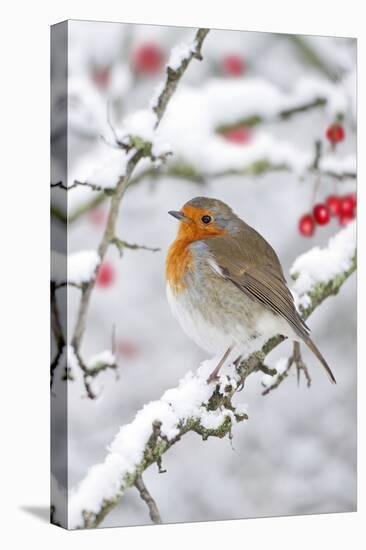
196	406
76	184
284	114
184	170
177	66
137	149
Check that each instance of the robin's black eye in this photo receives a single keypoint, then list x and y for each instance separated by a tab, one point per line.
206	219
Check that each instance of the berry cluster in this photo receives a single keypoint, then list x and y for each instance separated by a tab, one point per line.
336	206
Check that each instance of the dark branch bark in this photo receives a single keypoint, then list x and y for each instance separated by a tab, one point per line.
146	497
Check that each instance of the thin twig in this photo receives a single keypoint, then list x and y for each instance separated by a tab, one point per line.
120	245
146	496
77	183
57	332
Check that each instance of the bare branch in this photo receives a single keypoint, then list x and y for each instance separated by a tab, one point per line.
91	372
77	183
120	245
146	496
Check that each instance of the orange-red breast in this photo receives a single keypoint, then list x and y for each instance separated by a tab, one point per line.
226	286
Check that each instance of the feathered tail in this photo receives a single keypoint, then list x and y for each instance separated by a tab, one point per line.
308	341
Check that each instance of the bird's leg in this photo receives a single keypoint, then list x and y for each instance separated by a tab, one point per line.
300	365
213	376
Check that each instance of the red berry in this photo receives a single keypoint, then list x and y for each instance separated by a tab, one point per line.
334	204
126	348
98	216
345	218
347	205
335	133
148	58
321	214
353	198
106	275
233	65
101	77
238	135
307	225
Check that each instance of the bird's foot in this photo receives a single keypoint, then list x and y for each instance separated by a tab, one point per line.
296	359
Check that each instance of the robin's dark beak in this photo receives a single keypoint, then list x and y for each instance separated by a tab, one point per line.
179	215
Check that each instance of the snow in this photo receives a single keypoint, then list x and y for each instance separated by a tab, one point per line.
109	170
178	54
335	163
228	101
81	266
320	265
72	360
280	366
140	123
188	129
221	101
104	357
176	406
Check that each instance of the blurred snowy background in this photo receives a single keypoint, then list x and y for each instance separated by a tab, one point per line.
297	452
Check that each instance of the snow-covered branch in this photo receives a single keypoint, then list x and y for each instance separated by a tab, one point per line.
200	143
255	161
194	405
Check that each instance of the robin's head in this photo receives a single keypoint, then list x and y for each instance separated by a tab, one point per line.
201	218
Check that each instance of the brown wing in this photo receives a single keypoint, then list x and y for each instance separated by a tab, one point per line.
251	264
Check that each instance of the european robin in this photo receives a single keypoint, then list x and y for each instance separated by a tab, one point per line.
226	286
